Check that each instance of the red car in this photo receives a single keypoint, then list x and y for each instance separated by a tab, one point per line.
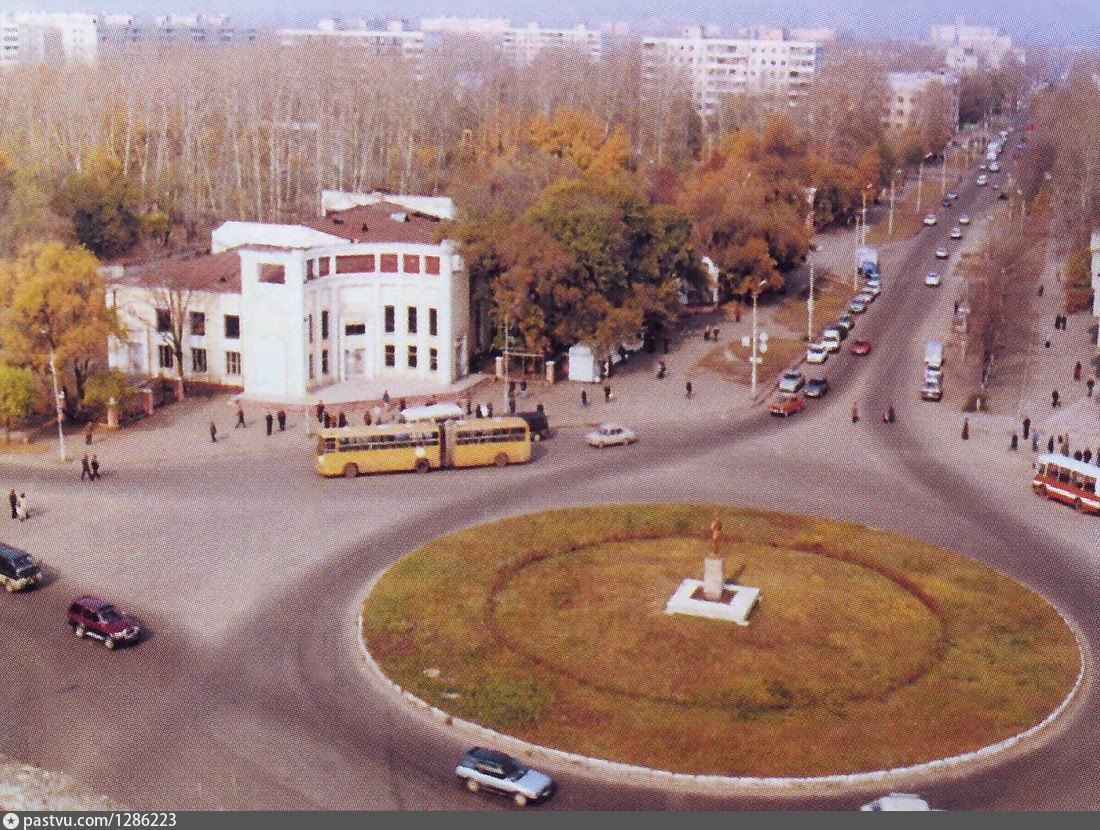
787	404
93	617
860	347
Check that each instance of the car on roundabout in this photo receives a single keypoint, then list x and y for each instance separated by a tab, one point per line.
956	232
942	252
964	219
817	353
499	772
93	617
930	219
787	404
932	279
896	802
817	387
610	435
860	346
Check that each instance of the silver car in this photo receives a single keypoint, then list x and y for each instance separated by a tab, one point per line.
607	435
489	769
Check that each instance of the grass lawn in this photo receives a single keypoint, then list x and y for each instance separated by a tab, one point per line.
831	296
868	650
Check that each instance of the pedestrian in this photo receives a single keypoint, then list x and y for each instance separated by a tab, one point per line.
956	306
511	406
1077	455
1047	343
401	405
539	408
687	389
213	433
890	414
1054	399
489	410
1027	427
342	420
320	412
1077	370
14	499
607	393
661	369
584	397
21	509
386	397
366	417
966	429
85	467
706	333
855	413
1086	456
281	416
523	389
666	345
1015	442
240	417
469	406
95	467
1040	289
270	420
1091	382
511	388
1035	441
88	433
1050	444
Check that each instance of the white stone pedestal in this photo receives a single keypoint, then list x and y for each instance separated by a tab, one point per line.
735	605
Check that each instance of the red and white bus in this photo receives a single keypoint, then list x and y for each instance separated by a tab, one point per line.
1067	480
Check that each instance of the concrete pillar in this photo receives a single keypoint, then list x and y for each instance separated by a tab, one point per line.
550	376
147	400
713	578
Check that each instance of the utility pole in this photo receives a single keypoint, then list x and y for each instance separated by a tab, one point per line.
943	171
920	182
507	398
59	400
810	305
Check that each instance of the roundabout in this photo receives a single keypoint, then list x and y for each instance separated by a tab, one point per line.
868	650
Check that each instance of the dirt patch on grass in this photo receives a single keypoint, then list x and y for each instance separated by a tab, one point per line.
867	650
831	296
731	360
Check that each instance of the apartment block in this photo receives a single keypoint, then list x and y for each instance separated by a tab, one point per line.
969	48
912	93
392	41
522	45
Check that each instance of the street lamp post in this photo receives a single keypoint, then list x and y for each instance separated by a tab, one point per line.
757	341
59	400
810	305
943	170
920	182
890	222
863	213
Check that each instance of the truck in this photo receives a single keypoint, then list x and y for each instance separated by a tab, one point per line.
933	354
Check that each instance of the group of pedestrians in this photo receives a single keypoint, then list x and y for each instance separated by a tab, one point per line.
89	467
18	503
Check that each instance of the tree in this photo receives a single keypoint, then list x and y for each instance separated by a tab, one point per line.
54	299
174	301
17	388
102	205
106	385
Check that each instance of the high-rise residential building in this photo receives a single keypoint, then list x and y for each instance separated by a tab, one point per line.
486	27
970	48
392	41
522	45
917	95
715	66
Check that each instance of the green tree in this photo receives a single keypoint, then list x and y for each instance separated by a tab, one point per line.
106	384
54	299
102	205
17	388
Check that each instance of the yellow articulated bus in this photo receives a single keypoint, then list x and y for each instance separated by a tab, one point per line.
423	446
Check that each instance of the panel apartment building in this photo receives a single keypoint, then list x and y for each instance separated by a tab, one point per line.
394	40
716	66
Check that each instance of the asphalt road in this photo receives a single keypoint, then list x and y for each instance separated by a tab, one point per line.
250	693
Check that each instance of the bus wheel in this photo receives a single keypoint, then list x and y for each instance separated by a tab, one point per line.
351	471
422	465
501	460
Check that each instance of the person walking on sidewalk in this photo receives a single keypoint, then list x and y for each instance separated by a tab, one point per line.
687	389
240	417
21	509
282	420
1050	444
95	468
966	429
269	419
1027	427
213	433
1054	399
1077	370
1014	444
14	500
88	429
1091	382
85	468
1035	441
584	397
607	393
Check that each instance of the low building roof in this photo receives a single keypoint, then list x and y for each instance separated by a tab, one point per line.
215	273
382	222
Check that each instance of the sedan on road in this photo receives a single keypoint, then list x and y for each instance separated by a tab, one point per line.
817	353
942	252
93	617
787	404
964	219
500	772
608	435
956	232
817	387
860	346
846	322
932	279
930	219
983	179
866	296
857	306
792	381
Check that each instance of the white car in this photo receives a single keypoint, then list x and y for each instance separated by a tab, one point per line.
896	802
817	353
964	219
932	279
874	288
866	295
608	435
956	232
930	219
983	179
995	167
942	253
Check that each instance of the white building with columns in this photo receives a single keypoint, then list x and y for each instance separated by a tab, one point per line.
367	290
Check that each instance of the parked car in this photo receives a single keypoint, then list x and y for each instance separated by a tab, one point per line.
956	232
982	180
930	219
831	337
932	390
787	404
860	346
538	423
952	195
499	772
983	166
857	306
896	802
18	570
846	321
873	288
608	435
817	387
964	219
817	353
791	381
932	279
865	296
841	331
995	167
942	253
94	617
945	202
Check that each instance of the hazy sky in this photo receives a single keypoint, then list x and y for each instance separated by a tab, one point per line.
1075	22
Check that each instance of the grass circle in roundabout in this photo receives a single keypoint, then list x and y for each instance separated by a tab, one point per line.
868	650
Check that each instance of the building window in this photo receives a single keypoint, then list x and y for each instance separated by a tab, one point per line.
164	352
198	324
324	361
324	325
388	263
391	355
431	264
164	320
412	357
412	319
309	333
390	319
198	361
232	327
352	329
411	264
323	267
433	322
355	264
232	363
311	367
433	359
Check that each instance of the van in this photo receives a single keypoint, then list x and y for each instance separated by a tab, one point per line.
933	354
18	570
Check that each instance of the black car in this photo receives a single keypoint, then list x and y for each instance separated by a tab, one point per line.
817	387
18	570
538	423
